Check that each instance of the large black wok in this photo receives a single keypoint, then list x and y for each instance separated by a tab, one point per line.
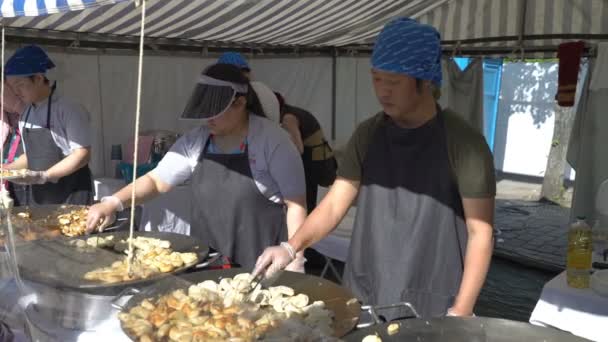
452	329
337	298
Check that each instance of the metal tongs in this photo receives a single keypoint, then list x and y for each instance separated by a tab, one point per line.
260	280
255	282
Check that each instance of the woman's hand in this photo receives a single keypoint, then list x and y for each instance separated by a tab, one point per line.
103	214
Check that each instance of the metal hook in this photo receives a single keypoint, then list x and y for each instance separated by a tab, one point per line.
456	49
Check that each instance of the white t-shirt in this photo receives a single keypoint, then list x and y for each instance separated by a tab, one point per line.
275	163
70	123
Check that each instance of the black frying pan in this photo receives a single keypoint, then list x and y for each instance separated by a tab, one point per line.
337	298
452	329
59	264
44	223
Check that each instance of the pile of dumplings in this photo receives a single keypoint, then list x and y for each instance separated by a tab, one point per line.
228	311
152	256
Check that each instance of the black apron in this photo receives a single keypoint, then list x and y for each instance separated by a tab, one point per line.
312	186
230	213
318	158
42	152
409	236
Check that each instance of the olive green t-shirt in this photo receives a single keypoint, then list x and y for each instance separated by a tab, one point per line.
469	155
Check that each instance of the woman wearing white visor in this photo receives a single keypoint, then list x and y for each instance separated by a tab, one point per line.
243	168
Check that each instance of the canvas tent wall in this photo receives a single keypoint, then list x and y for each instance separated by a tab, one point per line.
106	85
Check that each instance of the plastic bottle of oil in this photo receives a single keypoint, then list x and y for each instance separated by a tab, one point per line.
580	248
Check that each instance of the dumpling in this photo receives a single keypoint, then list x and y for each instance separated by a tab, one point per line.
225	285
188	258
241	285
278	303
372	338
244	276
209	285
259	296
299	301
281	290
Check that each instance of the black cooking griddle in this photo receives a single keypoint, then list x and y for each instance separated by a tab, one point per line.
337	299
59	264
454	329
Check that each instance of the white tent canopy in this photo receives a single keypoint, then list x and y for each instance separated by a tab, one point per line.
313	23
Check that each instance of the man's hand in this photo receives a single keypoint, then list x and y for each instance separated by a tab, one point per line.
297	265
273	260
456	312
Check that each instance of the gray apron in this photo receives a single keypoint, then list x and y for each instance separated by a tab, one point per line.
229	212
409	236
42	153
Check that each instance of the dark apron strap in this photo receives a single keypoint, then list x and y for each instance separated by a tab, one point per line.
48	106
48	109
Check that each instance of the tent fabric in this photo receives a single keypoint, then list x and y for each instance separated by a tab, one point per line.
111	82
600	72
314	22
355	97
21	8
462	91
588	140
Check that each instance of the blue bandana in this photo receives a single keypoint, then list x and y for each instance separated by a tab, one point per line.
27	61
233	58
404	46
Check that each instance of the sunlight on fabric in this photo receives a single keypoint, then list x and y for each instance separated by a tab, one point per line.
20	8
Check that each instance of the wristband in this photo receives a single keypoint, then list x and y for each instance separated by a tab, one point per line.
117	202
290	249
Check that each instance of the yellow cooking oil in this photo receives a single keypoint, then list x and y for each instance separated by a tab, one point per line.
580	248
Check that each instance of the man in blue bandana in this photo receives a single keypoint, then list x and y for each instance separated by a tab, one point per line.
56	134
424	184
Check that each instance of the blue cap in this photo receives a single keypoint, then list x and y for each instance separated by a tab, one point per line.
234	58
404	46
27	61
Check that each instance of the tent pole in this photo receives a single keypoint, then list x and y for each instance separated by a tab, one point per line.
334	60
522	23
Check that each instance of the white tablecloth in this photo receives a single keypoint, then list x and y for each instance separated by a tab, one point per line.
168	212
579	311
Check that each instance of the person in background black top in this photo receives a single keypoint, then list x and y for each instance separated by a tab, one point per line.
320	164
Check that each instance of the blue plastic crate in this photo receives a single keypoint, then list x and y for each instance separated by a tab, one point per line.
126	170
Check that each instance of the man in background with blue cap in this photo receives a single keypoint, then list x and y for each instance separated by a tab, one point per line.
237	59
56	134
424	184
